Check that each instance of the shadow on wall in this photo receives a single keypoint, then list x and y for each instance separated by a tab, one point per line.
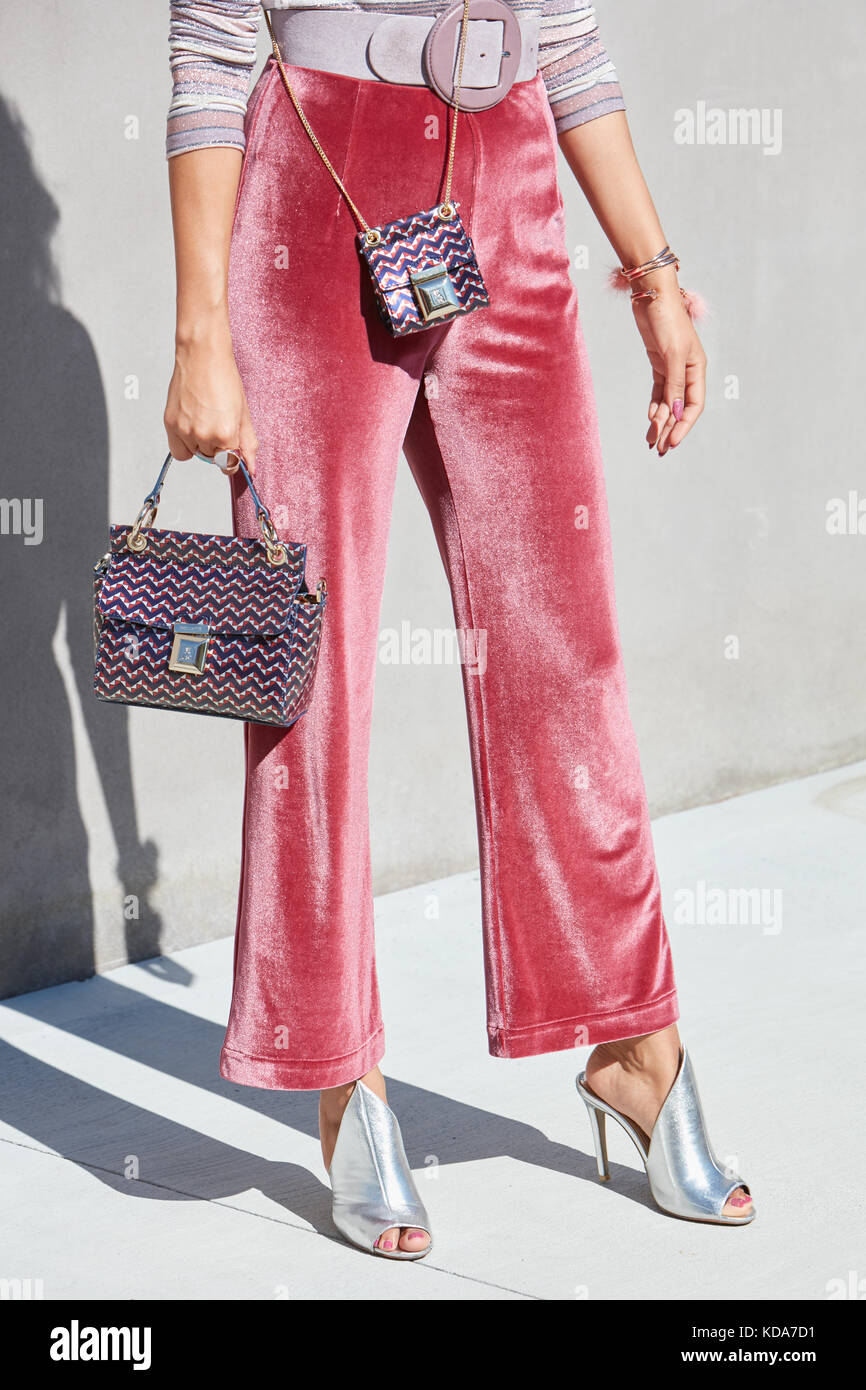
53	527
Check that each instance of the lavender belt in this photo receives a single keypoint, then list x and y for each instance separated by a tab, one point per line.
417	50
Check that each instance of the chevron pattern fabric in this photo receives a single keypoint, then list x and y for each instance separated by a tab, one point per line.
417	243
264	627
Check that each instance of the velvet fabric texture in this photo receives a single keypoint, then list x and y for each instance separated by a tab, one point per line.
496	414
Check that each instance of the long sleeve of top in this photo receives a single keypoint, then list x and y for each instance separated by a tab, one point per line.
212	46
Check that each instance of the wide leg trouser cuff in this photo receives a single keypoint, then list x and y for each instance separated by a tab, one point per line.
560	1034
291	1074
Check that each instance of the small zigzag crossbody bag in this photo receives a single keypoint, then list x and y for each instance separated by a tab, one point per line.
220	625
423	267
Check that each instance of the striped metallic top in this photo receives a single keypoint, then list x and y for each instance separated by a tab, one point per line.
213	50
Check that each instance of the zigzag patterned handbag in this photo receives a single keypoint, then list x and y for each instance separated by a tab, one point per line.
207	624
423	267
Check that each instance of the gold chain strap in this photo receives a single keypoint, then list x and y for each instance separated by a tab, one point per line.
464	24
446	205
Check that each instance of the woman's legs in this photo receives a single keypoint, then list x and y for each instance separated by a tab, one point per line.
504	447
503	443
330	416
331	395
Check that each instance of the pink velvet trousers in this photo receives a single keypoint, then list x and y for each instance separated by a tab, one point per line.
495	413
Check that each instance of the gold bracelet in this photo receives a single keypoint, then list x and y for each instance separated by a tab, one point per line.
654	294
662	258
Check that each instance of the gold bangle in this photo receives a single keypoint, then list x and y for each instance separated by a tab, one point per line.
663	258
654	294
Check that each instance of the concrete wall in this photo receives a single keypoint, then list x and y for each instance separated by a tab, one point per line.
741	615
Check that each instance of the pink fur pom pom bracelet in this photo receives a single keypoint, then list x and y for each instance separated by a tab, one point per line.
621	279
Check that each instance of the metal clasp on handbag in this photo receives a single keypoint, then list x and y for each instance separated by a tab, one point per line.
434	292
189	649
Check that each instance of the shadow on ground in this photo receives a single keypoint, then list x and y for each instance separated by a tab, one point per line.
173	1162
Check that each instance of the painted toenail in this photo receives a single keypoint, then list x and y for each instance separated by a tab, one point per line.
388	1245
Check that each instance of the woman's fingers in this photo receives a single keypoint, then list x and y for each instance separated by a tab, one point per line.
695	397
229	459
659	421
674	398
186	446
221	449
178	447
226	445
179	444
209	445
656	401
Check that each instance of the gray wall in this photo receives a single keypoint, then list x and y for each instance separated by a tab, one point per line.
727	539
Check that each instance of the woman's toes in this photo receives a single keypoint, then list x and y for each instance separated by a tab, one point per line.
414	1240
738	1204
388	1240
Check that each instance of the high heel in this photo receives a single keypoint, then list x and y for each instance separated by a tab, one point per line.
598	1125
685	1177
371	1179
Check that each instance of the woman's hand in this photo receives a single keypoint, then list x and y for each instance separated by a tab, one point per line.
602	158
207	409
678	362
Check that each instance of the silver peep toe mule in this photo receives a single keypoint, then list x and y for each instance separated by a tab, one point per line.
685	1177
371	1179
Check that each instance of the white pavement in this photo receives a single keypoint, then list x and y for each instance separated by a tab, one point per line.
131	1170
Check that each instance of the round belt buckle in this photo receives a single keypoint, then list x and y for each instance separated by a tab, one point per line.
440	47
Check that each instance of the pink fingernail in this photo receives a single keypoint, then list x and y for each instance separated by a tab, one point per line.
677	409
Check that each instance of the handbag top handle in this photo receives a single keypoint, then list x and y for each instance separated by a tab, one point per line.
136	541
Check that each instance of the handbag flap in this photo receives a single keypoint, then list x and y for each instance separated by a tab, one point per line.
223	581
416	243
